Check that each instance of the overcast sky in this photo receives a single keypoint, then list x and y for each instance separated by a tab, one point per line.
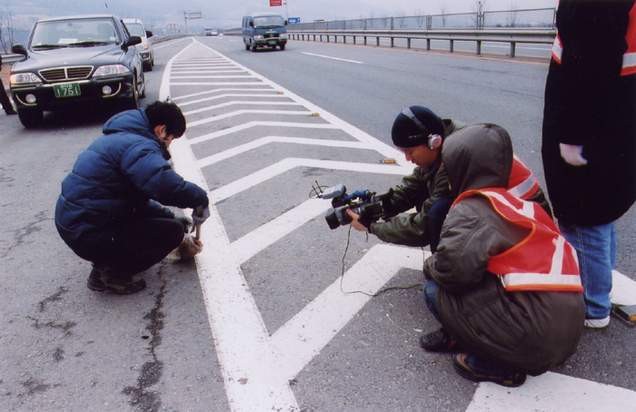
227	13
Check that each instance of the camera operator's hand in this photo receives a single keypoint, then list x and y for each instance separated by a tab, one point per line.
355	221
200	215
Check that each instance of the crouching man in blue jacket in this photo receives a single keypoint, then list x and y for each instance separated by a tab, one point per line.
110	210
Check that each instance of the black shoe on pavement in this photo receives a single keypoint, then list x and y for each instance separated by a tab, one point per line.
95	280
510	379
438	341
101	279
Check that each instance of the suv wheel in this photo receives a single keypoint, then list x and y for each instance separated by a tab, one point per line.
133	102
282	46
142	94
31	118
253	46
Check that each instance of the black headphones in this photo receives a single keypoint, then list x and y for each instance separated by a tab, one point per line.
433	140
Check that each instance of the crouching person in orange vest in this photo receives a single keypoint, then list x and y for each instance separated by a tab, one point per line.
503	283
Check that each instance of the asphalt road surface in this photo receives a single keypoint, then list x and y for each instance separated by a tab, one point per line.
263	322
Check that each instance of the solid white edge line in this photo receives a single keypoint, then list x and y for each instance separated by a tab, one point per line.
251	381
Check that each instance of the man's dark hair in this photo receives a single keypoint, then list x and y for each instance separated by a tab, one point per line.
168	114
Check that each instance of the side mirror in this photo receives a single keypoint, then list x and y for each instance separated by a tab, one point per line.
132	41
149	34
251	24
19	49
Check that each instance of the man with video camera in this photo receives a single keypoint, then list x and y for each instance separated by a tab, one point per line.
420	134
110	210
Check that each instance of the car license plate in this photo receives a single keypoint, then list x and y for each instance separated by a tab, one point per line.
272	42
67	90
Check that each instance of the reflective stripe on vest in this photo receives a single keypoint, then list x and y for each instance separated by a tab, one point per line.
629	58
522	182
557	49
543	260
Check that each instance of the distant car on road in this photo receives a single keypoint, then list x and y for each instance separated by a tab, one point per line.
211	32
264	30
76	60
136	28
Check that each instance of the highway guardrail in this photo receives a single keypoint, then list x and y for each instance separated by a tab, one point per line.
513	37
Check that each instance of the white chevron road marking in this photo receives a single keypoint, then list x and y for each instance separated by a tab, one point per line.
241	102
254	144
249	125
290	163
241	112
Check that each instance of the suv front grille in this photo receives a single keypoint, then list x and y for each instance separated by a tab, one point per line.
270	35
61	74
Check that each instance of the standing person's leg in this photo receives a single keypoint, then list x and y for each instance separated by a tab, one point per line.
5	101
595	247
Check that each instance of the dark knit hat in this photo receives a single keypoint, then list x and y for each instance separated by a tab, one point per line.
414	125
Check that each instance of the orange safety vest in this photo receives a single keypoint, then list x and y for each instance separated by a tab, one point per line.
629	58
522	182
543	260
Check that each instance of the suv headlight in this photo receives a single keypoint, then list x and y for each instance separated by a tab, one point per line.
283	36
258	37
24	78
111	70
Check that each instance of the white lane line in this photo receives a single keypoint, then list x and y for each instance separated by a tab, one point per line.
310	330
182	83
290	163
202	76
623	289
249	125
242	102
332	58
229	71
207	66
268	234
553	392
242	112
240	336
261	88
254	144
224	96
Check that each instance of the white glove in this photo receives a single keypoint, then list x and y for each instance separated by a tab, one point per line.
200	215
572	154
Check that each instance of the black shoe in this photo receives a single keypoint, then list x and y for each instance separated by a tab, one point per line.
102	279
509	379
95	280
438	341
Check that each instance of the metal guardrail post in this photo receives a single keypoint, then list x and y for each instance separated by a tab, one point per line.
428	44
354	39
479	47
392	41
344	39
377	41
365	40
408	42
513	46
452	45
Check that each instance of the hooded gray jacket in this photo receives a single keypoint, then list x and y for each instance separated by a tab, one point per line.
529	331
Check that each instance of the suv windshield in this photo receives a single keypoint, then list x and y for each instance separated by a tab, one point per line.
136	29
269	21
70	33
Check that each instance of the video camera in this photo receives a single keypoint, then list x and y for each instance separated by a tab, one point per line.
369	205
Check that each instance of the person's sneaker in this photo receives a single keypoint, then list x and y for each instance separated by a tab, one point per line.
438	341
509	379
597	323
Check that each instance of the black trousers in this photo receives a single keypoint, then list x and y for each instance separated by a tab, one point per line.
134	246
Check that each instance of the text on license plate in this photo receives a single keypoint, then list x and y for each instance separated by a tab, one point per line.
67	90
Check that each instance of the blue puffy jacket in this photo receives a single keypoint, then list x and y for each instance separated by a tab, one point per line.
121	175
